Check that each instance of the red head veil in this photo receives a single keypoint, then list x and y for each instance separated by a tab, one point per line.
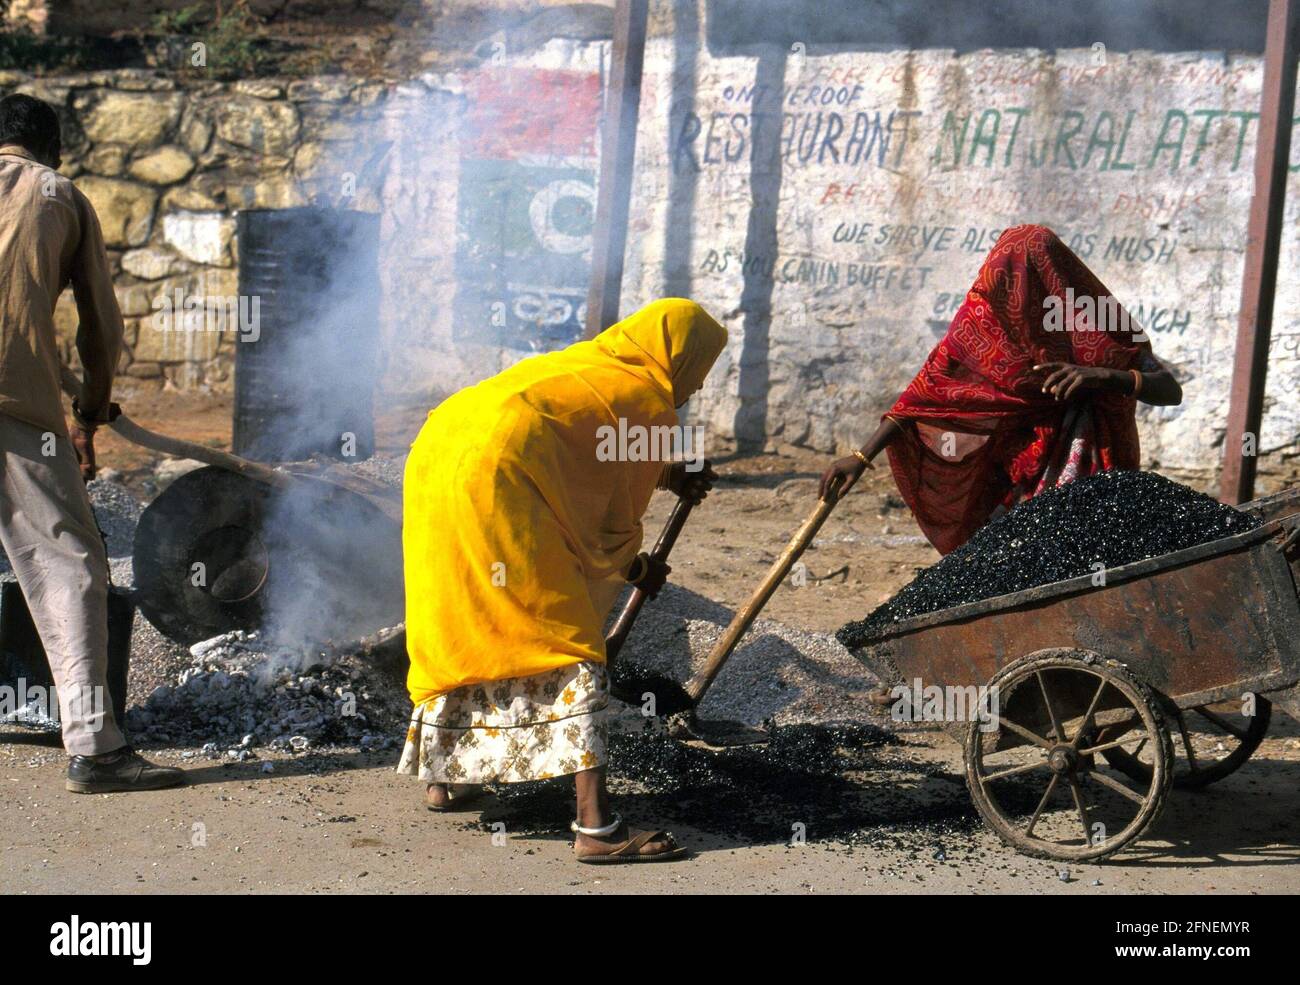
978	432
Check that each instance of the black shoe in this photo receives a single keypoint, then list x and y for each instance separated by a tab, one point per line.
127	770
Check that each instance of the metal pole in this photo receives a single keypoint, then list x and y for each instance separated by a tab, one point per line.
617	153
1263	239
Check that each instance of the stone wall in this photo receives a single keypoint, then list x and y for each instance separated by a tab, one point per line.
166	165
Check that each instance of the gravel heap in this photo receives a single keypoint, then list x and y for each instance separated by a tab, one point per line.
777	672
239	695
1111	518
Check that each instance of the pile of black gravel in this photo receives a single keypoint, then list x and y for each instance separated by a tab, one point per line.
630	680
829	780
1111	518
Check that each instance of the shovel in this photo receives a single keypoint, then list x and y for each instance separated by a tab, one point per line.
377	494
677	702
686	724
628	684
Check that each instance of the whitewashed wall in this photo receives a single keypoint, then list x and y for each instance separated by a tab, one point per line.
836	263
875	244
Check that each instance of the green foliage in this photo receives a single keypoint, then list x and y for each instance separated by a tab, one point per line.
230	37
178	21
22	50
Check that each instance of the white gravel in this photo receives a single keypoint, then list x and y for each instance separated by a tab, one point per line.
777	671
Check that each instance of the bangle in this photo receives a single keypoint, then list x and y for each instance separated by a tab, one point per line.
604	831
1137	382
857	453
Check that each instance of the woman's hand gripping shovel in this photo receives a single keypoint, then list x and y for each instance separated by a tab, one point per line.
679	703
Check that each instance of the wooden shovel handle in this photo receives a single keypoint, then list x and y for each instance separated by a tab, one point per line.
745	616
154	441
632	607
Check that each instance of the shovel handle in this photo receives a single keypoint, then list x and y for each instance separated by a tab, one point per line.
746	615
167	445
632	608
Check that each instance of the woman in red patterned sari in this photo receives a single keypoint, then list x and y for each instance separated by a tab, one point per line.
1034	385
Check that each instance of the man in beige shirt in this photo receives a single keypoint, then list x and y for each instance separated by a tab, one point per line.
49	238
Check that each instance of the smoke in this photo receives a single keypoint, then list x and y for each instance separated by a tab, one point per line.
335	571
450	235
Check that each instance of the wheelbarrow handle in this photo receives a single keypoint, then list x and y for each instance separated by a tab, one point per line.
632	608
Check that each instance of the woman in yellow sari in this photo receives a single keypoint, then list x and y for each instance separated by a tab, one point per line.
522	524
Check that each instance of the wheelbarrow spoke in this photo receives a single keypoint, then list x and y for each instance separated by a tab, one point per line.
1051	711
1115	744
1119	788
1087	718
1014	770
1024	733
1077	792
1051	786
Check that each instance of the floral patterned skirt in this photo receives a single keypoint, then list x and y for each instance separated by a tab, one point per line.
523	728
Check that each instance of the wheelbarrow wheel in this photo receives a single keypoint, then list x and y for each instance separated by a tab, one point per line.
1034	758
1235	735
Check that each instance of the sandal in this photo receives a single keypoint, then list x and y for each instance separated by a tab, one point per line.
629	851
459	797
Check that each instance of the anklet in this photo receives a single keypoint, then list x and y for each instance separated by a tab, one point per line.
602	832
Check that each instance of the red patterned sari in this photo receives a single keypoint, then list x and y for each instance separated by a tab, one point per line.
978	432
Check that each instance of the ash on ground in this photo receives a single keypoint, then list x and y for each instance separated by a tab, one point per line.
1108	519
240	695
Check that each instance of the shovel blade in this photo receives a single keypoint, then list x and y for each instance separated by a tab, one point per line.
717	733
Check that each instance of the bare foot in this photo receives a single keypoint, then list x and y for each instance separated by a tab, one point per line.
448	796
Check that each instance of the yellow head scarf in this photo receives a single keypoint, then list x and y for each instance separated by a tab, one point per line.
517	526
673	339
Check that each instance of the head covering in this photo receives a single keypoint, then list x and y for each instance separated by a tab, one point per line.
978	432
523	498
674	338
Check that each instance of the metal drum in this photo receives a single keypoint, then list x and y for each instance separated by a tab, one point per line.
306	358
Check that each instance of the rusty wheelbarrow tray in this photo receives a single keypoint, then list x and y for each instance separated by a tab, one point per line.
1054	681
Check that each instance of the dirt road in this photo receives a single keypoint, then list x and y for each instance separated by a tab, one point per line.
346	823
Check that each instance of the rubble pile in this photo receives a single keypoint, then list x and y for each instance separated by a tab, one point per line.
240	695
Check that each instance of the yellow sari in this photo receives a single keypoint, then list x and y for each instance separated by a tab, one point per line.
517	534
